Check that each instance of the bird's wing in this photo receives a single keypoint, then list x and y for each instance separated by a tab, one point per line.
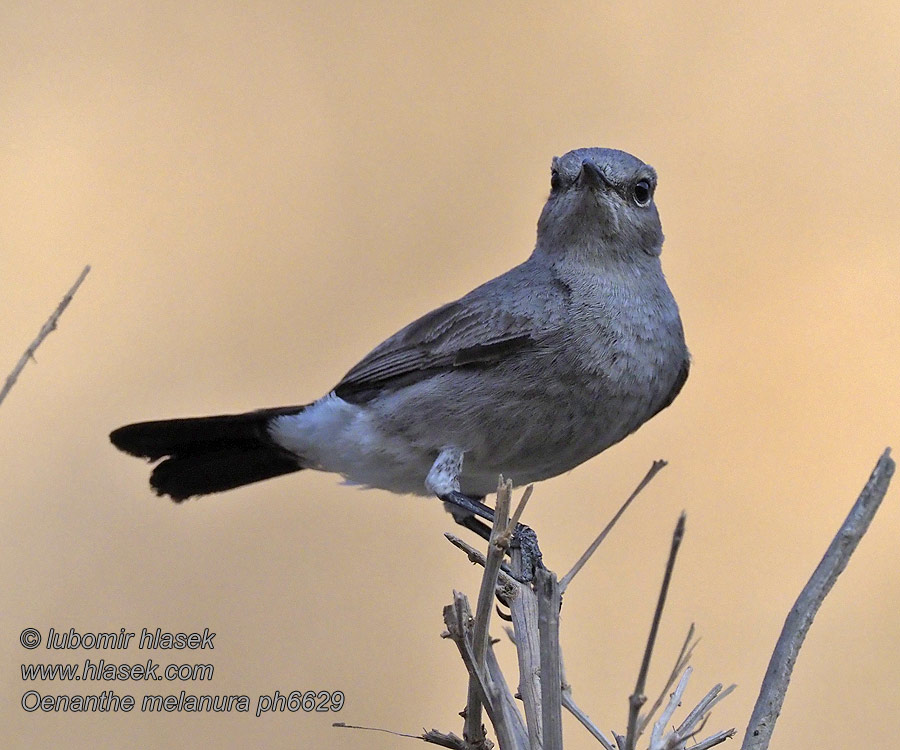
478	330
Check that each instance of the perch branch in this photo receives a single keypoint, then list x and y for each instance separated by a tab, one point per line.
520	509
523	610
549	603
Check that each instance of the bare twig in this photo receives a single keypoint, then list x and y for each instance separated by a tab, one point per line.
542	688
520	509
551	686
45	331
660	739
715	739
509	706
638	698
656	736
567	578
681	663
778	675
477	556
432	735
698	714
459	622
573	708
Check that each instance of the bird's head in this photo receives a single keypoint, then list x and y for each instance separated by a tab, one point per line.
601	201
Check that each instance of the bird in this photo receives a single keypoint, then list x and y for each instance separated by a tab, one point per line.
529	375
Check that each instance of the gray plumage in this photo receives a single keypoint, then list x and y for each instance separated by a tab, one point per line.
530	374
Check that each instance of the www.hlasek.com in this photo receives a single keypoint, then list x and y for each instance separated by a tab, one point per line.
108	701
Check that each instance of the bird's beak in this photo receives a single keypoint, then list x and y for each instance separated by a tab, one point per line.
592	176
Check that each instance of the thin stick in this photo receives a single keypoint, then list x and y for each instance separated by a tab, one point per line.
725	734
520	509
778	675
477	556
701	711
684	658
432	736
660	740
656	735
551	685
572	707
45	331
638	698
459	621
567	578
507	702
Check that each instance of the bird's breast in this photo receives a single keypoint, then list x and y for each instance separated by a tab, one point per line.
631	347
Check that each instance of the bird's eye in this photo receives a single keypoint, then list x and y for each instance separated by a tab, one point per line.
642	192
555	180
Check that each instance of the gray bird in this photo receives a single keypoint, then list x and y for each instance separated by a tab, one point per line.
530	374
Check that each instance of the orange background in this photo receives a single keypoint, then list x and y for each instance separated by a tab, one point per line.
267	191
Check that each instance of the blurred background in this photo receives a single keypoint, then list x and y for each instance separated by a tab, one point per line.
267	190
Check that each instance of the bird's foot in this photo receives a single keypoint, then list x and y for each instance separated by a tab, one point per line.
525	540
464	509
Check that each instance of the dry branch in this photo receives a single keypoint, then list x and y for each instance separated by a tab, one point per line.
778	675
534	611
543	690
524	612
499	542
549	604
580	563
45	331
459	621
570	705
681	663
638	698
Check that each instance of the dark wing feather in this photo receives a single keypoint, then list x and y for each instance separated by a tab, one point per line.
456	335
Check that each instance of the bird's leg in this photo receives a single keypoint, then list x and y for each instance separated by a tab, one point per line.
443	481
468	521
464	509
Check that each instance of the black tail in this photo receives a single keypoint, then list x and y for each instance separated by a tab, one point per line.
209	454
